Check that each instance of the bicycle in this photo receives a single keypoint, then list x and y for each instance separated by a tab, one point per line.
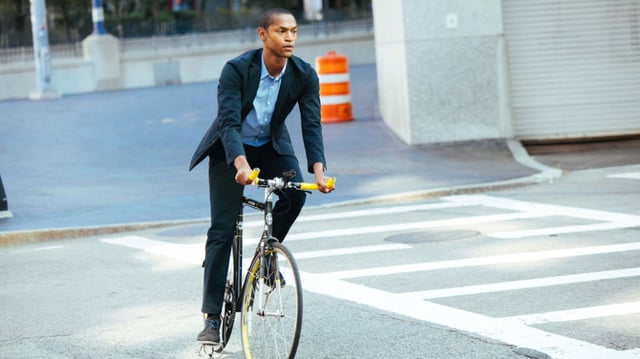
271	300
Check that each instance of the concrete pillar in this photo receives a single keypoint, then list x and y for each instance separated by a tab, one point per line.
103	50
442	69
313	10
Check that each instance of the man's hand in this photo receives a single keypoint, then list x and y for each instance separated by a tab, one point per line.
243	170
321	179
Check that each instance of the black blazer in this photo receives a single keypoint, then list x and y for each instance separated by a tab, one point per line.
237	89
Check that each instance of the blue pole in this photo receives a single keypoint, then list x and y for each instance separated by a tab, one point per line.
97	14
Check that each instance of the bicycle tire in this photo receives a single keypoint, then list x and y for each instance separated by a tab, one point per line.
274	330
228	313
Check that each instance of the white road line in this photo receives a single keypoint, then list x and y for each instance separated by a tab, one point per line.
194	253
453	222
522	210
134	242
524	284
566	229
381	211
630	175
351	250
38	249
549	209
367	212
488	260
605	220
578	314
508	331
188	253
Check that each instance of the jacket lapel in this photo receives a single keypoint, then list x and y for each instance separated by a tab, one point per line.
251	86
283	95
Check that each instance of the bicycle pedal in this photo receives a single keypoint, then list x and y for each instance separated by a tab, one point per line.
210	350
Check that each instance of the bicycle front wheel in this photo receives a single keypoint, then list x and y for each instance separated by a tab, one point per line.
272	306
228	314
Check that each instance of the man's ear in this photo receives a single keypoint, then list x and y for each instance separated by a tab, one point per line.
262	33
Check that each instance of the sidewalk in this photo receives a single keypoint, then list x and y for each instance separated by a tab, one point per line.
114	161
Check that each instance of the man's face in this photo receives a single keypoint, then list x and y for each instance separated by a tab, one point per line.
280	38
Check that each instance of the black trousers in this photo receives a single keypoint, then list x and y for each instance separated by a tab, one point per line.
225	197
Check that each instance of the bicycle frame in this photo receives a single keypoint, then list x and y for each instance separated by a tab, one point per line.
266	207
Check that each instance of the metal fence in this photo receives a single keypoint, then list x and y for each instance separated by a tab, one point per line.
134	27
194	40
223	38
25	54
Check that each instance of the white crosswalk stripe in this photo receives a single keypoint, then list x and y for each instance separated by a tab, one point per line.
351	250
481	261
629	175
579	314
528	283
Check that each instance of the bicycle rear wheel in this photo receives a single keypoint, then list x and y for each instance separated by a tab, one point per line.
272	306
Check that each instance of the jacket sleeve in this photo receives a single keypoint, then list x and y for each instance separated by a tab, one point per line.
309	104
229	111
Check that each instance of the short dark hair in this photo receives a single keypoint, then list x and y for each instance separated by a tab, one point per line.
266	18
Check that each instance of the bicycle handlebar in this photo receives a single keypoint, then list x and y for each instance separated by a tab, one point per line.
280	183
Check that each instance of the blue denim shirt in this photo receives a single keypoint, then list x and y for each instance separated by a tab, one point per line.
256	130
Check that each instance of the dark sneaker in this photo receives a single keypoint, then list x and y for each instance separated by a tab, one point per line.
211	332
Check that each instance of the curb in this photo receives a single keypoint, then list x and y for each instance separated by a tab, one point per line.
44	235
546	174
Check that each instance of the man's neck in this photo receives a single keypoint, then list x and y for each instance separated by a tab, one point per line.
274	64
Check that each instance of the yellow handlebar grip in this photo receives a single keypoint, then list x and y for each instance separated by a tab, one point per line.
308	186
254	174
331	182
313	187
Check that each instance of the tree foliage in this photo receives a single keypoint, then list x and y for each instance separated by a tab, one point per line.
14	20
70	20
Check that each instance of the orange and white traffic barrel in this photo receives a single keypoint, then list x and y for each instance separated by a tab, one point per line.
335	96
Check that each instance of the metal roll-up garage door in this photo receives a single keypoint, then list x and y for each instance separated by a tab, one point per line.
574	67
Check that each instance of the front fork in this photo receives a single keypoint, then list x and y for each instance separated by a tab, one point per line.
265	244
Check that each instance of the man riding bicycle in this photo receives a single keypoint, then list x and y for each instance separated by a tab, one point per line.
256	92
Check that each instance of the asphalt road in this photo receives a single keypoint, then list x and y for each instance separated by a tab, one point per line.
547	270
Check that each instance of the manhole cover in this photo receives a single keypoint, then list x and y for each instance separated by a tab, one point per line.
431	236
